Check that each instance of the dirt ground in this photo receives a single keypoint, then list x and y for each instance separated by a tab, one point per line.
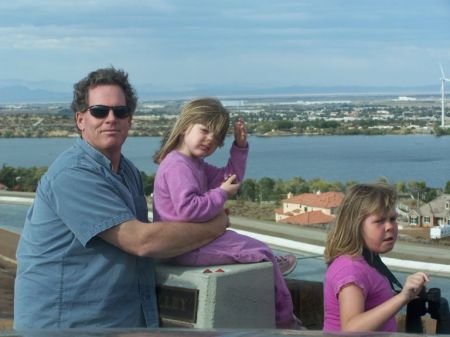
416	233
422	235
7	276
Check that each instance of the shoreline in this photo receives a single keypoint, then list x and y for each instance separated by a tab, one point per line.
267	135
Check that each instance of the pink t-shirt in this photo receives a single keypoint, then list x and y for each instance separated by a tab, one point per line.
375	287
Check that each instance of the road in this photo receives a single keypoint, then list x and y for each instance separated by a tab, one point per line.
403	250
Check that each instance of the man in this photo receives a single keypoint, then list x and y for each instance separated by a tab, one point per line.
85	253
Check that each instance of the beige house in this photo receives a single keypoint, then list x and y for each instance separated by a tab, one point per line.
435	213
309	208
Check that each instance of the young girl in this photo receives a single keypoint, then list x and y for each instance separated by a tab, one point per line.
357	297
187	188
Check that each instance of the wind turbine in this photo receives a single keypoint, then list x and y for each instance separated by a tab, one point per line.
443	80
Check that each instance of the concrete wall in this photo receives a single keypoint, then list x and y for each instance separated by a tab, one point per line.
230	296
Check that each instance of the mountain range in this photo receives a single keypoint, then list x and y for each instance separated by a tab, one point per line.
16	91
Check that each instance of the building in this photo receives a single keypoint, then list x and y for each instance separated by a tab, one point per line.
309	208
435	213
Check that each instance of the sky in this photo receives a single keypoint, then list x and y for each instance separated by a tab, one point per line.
182	44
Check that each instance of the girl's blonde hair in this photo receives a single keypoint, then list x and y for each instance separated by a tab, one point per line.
207	111
361	200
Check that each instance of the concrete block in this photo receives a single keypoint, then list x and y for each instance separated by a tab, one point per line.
231	296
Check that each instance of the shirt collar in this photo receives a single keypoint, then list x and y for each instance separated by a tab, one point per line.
97	155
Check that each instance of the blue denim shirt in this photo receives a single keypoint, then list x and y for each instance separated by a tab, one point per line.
66	275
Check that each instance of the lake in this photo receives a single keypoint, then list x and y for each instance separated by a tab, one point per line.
332	158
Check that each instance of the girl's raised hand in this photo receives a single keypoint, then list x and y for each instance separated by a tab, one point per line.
240	133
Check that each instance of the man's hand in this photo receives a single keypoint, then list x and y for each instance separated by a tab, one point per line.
223	218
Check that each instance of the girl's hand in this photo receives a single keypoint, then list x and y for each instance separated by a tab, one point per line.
230	185
355	317
413	285
240	133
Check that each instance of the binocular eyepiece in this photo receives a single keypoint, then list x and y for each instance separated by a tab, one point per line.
432	303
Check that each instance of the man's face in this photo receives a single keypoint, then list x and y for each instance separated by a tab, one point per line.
109	133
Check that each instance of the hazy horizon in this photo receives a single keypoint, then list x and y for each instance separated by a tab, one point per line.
37	92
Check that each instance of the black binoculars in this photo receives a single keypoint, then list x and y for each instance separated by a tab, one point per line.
428	302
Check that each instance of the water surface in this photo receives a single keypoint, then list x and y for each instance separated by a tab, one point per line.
332	158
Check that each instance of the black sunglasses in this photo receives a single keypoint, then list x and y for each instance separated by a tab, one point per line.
101	111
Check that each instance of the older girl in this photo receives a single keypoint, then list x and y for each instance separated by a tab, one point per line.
357	296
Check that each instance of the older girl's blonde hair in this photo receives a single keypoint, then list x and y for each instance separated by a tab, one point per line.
207	111
361	200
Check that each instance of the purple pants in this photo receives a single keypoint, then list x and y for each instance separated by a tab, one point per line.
232	248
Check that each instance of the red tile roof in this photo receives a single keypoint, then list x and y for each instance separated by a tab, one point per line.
323	200
309	218
279	211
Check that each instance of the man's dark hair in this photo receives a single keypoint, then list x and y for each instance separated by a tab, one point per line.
104	76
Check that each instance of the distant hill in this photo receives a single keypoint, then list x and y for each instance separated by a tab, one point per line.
52	92
23	94
151	92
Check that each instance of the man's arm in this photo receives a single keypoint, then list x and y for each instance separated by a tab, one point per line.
164	239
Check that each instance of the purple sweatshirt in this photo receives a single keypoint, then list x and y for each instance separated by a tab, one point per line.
188	189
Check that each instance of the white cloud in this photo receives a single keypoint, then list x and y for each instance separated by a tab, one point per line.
178	42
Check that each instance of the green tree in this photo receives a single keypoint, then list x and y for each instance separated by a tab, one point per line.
249	190
447	187
21	179
265	188
417	189
430	194
279	190
263	127
148	181
337	186
318	185
8	176
401	186
284	125
296	185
